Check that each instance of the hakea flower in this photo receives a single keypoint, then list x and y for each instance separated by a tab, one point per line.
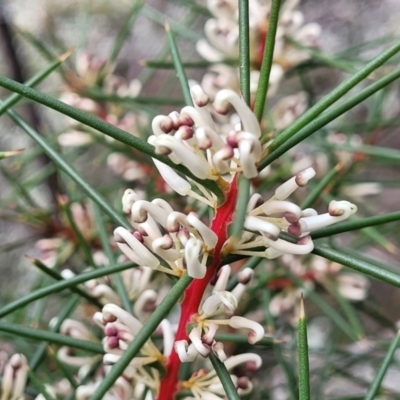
14	378
186	245
170	241
120	328
265	220
218	303
207	385
191	138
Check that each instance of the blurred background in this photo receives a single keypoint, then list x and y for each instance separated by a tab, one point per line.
33	32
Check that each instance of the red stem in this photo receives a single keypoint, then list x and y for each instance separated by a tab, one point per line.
194	293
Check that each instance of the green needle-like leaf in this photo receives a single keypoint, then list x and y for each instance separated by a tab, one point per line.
358	265
347	309
125	30
328	310
5	154
36	79
302	349
332	61
121	289
244	50
105	128
224	377
42	349
55	275
70	171
242	339
356	224
186	64
65	284
39	386
51	337
183	31
312	126
262	89
180	72
99	95
373	390
383	153
331	98
141	338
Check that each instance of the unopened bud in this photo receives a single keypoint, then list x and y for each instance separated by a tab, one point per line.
199	97
303	177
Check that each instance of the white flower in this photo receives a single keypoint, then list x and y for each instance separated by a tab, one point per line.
265	220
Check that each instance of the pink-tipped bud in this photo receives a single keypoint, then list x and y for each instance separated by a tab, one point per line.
244	277
219	351
174	115
185	120
138	236
251	366
294	229
232	139
243	382
107	317
199	97
183	235
292	218
162	124
208	338
256	330
184	132
113	342
110	330
141	231
338	208
303	177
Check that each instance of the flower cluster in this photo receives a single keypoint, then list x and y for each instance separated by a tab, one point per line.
192	139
